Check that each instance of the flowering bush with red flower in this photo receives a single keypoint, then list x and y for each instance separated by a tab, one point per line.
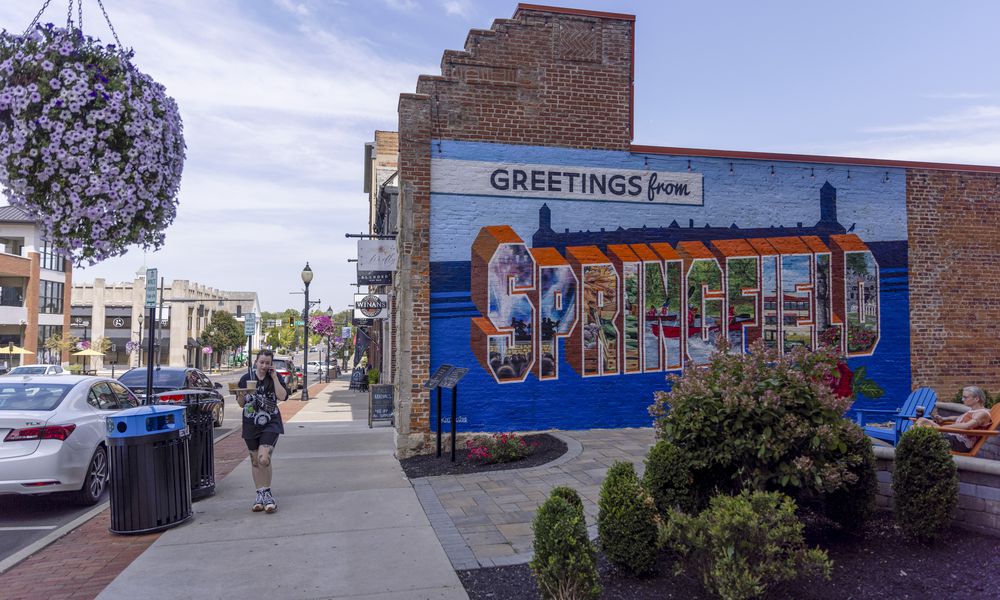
90	147
499	448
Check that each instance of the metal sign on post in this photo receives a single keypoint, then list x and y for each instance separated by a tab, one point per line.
249	324
151	279
435	382
151	290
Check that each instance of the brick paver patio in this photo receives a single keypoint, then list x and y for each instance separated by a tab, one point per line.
484	520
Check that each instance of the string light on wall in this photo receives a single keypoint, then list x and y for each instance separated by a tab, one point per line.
812	173
689	165
731	172
772	170
886	178
848	174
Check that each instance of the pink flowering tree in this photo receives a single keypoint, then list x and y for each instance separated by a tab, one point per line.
90	147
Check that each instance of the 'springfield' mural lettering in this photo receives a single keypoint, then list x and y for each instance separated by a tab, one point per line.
639	308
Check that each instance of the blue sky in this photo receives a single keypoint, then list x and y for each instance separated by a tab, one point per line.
279	96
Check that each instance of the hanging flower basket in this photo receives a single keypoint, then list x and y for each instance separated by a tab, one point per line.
90	147
207	349
131	346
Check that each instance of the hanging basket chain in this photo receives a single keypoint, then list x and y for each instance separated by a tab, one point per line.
38	16
79	14
69	16
110	26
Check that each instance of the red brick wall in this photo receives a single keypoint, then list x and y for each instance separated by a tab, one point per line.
954	276
553	77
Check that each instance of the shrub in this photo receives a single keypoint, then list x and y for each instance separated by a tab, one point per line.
924	483
759	421
627	521
373	375
75	369
564	563
668	478
569	495
498	448
852	505
743	545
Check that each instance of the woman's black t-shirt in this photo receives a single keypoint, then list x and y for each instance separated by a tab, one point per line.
260	412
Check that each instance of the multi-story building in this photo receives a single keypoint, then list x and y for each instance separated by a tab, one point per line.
34	290
117	312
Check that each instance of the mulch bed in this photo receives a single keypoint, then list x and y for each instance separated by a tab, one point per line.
548	449
881	563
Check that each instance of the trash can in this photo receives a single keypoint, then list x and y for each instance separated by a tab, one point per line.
200	412
149	470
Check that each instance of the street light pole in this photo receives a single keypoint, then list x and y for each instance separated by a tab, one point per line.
307	276
140	340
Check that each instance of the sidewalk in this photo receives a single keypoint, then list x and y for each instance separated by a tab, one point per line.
348	524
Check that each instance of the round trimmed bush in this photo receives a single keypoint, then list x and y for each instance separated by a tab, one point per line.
924	484
627	521
569	495
668	478
564	563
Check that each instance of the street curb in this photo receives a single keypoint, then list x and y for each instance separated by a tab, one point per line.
18	557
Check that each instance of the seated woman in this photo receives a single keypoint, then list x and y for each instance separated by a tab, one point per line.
978	417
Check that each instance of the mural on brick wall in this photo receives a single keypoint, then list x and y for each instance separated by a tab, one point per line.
578	326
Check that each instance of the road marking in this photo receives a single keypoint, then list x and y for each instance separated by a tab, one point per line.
36	528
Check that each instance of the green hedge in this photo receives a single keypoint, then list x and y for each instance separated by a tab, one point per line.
627	520
924	484
564	562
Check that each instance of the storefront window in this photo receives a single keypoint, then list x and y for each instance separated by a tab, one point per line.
11	291
50	260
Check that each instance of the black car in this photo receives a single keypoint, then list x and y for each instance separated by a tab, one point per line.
168	379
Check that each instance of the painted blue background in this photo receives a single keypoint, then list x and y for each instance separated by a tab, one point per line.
740	191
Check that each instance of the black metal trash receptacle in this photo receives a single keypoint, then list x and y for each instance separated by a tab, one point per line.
201	423
149	469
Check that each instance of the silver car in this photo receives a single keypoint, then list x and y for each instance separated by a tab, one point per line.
52	433
38	370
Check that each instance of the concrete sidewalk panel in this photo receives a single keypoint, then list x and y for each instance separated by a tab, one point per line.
300	515
325	565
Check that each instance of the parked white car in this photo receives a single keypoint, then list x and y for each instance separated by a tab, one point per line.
314	367
52	433
38	370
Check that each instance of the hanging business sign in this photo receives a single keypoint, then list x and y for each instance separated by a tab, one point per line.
376	261
565	182
371	306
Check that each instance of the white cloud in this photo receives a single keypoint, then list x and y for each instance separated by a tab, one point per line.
956	96
402	5
293	7
461	8
968	136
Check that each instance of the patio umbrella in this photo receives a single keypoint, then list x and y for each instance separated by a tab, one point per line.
85	354
11	349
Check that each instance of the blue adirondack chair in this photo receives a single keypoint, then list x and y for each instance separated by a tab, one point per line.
925	397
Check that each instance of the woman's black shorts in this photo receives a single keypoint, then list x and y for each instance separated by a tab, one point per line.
266	438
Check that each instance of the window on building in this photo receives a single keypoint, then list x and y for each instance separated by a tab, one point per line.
51	297
51	260
11	291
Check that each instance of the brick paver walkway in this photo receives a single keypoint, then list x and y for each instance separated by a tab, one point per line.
484	520
81	564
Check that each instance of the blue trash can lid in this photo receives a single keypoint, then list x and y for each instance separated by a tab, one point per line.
145	411
145	420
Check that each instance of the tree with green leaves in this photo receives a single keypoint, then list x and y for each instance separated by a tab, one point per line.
224	333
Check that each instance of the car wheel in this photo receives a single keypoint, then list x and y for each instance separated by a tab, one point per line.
220	413
96	479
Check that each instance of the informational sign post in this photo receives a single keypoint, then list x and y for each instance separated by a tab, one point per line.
249	325
447	376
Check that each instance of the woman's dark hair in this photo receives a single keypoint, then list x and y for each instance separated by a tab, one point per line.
265	353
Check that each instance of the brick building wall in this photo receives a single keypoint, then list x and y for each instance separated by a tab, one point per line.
954	275
553	86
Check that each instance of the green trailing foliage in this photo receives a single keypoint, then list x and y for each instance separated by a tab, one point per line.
761	421
741	546
854	504
924	484
564	562
668	478
627	520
